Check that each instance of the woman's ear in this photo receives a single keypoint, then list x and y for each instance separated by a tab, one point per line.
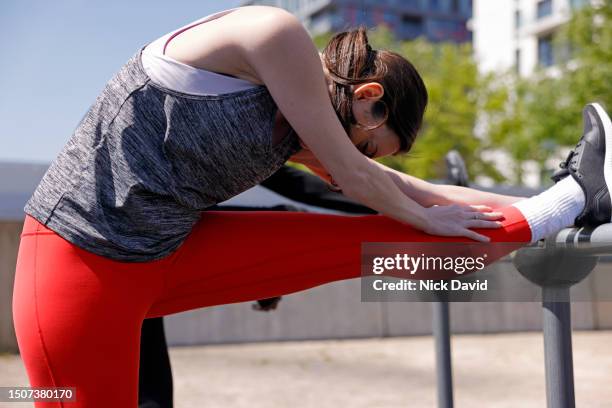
370	90
365	96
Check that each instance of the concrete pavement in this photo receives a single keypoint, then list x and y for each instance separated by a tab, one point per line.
492	370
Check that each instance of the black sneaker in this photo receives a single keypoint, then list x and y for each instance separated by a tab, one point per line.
590	164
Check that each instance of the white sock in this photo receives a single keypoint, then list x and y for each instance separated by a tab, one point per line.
553	209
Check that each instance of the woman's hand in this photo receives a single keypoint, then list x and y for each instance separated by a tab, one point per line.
455	220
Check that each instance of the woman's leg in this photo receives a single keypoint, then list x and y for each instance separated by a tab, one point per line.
155	373
78	318
240	256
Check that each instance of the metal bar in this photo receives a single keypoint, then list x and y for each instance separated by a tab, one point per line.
457	175
558	348
595	241
441	331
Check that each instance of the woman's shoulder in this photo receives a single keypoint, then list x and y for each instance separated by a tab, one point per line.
268	18
224	44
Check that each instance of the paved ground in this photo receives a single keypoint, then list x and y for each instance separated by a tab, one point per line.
490	371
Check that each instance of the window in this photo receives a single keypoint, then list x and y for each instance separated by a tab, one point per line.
444	30
455	6
544	8
575	4
517	61
389	17
470	6
408	4
545	51
412	27
464	7
518	20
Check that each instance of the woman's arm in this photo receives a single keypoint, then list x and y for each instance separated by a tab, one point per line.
428	194
425	193
281	52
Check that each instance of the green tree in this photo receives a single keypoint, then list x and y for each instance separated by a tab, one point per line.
587	73
542	113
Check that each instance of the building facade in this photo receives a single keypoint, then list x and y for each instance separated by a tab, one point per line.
518	34
436	20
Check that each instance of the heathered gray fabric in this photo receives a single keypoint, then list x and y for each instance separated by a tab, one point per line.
145	161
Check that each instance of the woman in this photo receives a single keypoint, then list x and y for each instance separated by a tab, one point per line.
114	232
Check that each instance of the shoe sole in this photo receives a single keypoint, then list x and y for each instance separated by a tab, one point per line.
607	126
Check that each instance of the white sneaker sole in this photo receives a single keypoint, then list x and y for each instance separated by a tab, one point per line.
607	124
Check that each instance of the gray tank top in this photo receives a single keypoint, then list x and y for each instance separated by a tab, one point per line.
145	160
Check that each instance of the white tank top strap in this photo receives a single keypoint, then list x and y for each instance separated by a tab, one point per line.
184	78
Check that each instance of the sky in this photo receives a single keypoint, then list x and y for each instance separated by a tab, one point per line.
58	55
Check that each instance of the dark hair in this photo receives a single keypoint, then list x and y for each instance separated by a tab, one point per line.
350	60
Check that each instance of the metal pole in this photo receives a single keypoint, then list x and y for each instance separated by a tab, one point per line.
441	331
556	265
558	347
457	175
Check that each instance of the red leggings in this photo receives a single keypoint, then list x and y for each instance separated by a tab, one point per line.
78	315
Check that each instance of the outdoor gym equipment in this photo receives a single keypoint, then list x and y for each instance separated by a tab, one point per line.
555	264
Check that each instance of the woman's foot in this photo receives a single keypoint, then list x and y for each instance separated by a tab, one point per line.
590	164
